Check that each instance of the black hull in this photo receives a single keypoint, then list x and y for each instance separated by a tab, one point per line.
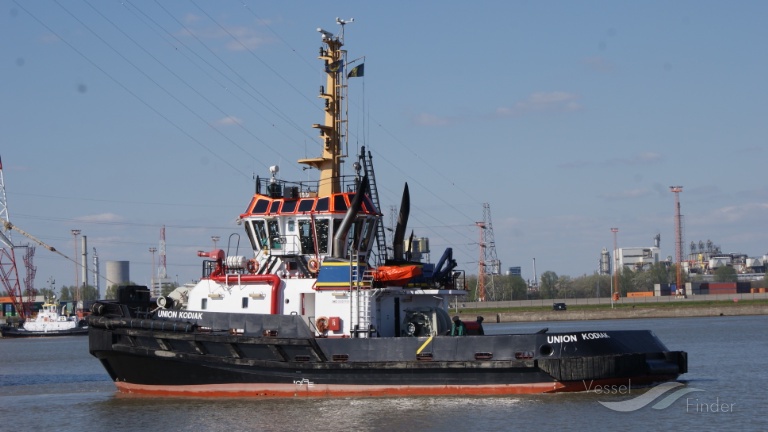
16	332
175	359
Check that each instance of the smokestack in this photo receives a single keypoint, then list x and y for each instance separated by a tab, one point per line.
85	263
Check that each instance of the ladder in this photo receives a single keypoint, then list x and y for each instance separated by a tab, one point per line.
381	239
362	296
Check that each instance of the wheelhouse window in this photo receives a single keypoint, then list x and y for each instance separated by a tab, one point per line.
274	234
306	205
251	236
261	206
305	237
245	302
365	234
260	230
323	235
339	204
289	206
322	205
204	304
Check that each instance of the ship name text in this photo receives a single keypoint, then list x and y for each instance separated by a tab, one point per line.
167	313
575	338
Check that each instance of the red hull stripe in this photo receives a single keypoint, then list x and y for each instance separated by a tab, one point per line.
322	390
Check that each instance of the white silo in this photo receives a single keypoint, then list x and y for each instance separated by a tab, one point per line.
118	273
605	262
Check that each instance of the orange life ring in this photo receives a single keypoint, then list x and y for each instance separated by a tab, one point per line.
322	324
314	265
252	266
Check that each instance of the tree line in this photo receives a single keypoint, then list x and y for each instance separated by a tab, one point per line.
552	286
87	292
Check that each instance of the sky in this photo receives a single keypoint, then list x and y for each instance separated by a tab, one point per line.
119	117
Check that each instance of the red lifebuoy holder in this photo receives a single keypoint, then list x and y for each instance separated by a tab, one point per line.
252	266
321	324
314	265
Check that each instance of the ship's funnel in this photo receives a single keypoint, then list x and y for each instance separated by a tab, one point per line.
346	223
402	221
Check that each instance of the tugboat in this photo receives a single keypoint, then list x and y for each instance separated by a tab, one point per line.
48	322
317	308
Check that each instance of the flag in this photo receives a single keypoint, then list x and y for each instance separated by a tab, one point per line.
334	67
357	71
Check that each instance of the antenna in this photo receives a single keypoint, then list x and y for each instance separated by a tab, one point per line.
342	23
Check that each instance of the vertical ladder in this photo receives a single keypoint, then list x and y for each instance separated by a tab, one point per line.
362	296
381	240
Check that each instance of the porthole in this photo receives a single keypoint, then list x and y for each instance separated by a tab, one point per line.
546	350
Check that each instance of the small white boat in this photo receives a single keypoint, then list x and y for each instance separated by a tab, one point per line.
48	322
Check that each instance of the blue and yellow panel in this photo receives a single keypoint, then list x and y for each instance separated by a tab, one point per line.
337	274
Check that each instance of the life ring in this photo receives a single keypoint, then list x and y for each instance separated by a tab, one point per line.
252	266
314	265
321	324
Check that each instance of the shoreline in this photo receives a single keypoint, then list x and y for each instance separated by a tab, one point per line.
623	313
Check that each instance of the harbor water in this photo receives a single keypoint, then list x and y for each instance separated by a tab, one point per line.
54	384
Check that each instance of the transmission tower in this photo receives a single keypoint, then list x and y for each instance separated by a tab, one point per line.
480	292
489	263
680	289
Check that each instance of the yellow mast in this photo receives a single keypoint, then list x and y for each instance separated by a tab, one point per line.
329	163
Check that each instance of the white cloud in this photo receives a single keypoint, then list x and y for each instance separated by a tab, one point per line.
739	213
228	121
246	39
626	194
431	120
599	64
555	101
191	18
237	38
100	218
646	158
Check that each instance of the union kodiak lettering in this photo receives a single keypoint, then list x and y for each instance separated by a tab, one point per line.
575	337
175	314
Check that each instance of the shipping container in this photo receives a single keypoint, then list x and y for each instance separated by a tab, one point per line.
640	294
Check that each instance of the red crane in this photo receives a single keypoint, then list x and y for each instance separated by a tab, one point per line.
9	272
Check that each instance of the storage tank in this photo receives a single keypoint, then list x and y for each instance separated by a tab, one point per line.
118	273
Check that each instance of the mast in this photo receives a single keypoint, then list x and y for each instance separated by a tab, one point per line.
329	163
